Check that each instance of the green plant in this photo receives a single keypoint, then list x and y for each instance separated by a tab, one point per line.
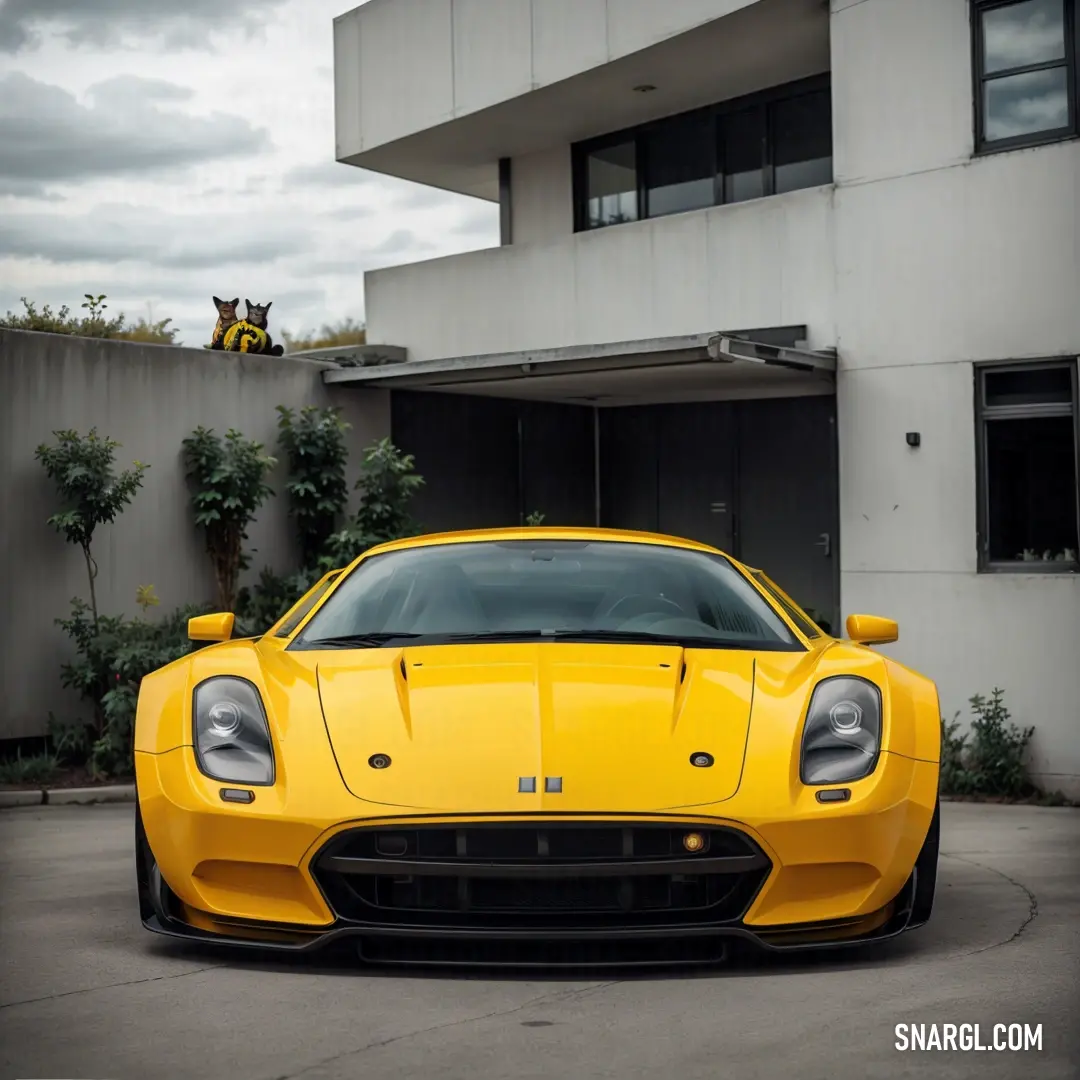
990	759
81	467
535	518
345	333
149	332
36	769
92	324
229	476
998	748
112	655
388	481
314	445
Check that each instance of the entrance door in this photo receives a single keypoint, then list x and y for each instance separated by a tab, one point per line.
788	498
696	470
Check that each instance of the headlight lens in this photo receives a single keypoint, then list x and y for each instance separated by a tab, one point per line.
232	737
842	736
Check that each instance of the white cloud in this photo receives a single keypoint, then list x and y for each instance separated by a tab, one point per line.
163	176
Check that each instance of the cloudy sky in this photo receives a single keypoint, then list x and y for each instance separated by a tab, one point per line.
162	158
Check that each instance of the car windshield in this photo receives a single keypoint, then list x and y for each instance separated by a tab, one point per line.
532	590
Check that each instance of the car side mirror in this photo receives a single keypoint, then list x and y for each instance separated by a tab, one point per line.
217	627
871	629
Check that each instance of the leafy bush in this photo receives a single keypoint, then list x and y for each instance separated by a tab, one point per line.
229	476
345	333
314	445
81	467
990	760
113	654
388	481
36	769
93	324
535	518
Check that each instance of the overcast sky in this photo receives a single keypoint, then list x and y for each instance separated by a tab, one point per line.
163	158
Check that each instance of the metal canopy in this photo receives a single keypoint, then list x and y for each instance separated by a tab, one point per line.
773	362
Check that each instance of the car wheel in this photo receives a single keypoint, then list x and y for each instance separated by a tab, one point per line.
926	867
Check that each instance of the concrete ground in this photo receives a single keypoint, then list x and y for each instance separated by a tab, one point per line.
85	992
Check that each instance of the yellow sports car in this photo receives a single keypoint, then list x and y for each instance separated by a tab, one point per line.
538	746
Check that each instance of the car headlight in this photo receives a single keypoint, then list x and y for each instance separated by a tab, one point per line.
232	737
842	736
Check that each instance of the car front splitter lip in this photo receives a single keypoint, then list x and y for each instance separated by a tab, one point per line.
337	934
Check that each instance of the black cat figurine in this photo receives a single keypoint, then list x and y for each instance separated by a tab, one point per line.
250	335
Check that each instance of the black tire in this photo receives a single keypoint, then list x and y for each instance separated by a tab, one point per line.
926	867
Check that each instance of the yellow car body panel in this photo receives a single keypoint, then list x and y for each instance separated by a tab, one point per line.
617	723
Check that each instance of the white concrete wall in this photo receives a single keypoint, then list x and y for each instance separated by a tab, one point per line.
943	260
467	55
762	263
541	200
149	398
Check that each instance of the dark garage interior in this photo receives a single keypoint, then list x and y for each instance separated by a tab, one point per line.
756	478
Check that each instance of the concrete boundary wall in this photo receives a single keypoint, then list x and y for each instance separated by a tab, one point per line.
149	398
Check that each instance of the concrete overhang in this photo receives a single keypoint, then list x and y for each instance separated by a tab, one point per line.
722	365
767	43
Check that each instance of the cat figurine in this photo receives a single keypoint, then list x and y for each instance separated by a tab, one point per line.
227	318
250	335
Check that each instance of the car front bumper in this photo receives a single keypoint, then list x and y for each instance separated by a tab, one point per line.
280	873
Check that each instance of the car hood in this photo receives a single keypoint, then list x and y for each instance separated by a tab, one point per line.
616	725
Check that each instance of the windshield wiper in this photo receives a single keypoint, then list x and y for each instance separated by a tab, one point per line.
356	641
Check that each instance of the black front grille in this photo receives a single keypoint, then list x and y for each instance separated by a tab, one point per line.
553	875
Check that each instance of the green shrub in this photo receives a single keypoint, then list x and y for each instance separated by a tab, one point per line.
93	324
111	658
36	769
229	477
314	445
990	759
388	481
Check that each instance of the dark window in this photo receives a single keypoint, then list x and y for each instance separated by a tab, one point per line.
802	142
1025	72
1029	498
764	144
742	159
612	184
679	165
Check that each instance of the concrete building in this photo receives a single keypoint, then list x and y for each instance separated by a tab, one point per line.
799	279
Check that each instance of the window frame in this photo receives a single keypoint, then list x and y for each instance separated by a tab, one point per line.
636	133
988	414
979	79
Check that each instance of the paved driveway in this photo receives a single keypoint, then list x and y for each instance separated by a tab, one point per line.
85	992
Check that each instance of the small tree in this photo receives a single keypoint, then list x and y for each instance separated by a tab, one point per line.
158	332
229	476
314	445
81	467
387	484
